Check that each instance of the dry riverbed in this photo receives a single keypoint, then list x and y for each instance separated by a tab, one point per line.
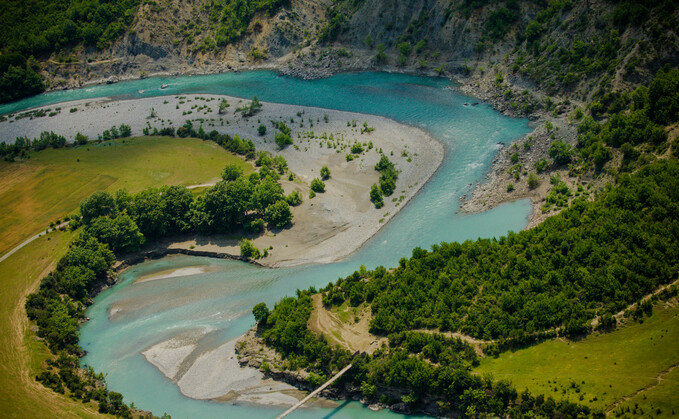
326	228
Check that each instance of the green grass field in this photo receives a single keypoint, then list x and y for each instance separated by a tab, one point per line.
603	368
51	184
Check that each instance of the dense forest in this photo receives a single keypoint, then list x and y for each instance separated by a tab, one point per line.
591	260
38	28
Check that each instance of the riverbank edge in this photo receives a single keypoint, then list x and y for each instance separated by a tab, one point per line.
252	352
483	195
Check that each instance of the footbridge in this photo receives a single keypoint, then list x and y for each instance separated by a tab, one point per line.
315	392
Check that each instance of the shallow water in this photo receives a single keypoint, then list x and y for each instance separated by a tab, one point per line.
219	302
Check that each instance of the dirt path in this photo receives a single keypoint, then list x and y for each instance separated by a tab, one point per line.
64	224
27	241
658	378
354	336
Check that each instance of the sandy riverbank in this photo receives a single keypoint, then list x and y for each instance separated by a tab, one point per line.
326	228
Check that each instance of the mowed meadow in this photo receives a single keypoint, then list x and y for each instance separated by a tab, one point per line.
48	186
51	184
604	370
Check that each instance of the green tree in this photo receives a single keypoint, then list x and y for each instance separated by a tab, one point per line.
226	204
261	312
278	214
97	205
232	172
266	192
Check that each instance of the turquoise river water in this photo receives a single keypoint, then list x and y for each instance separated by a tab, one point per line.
220	301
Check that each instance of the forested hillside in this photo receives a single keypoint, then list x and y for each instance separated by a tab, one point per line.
34	30
588	262
571	48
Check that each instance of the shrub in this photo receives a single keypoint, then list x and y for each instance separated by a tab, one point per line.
317	185
294	199
256	226
261	130
533	181
376	196
560	152
80	139
231	172
248	249
282	140
325	173
125	131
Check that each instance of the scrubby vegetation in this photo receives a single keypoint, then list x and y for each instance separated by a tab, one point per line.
387	183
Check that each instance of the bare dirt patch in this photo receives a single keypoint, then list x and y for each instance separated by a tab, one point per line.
352	333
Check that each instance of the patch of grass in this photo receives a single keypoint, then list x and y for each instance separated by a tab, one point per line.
52	182
601	368
663	397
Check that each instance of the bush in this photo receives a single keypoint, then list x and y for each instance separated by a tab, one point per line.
376	196
256	226
261	130
125	131
282	140
560	152
248	249
317	185
232	172
261	312
325	173
533	181
294	199
80	139
542	165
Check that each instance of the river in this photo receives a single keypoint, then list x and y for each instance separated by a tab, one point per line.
220	301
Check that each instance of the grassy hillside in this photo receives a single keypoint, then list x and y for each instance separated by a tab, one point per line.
21	356
603	368
51	184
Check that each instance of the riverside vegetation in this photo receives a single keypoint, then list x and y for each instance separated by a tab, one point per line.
114	224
